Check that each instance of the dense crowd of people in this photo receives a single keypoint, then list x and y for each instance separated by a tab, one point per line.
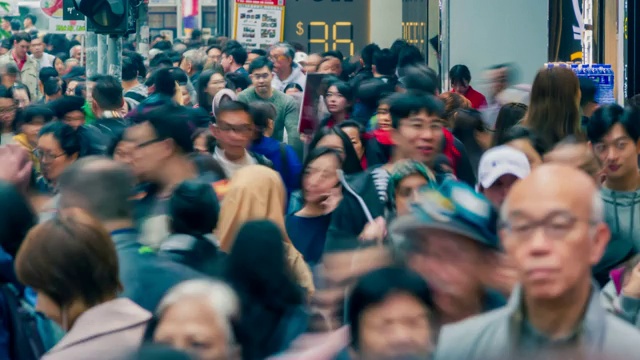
178	212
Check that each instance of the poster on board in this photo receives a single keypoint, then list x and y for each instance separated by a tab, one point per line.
55	10
259	23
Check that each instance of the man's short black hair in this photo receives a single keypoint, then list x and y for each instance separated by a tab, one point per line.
607	116
377	286
170	121
179	76
238	53
162	80
385	62
15	25
588	91
214	47
260	52
31	17
129	69
366	54
236	80
160	60
404	105
31	112
107	92
53	85
459	74
21	36
233	106
259	63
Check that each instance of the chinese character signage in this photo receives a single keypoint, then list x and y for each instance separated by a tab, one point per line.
56	9
259	23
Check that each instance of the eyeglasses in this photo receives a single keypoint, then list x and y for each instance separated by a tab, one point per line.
260	76
555	226
8	109
46	156
219	82
332	94
278	57
239	129
150	142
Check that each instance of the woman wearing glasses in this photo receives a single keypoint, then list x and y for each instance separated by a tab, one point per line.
59	145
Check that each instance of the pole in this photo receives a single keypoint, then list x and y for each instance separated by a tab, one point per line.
91	43
142	33
114	56
102	49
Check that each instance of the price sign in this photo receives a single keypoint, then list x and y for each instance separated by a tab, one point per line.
323	25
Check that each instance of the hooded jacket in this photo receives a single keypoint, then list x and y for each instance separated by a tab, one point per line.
622	214
257	193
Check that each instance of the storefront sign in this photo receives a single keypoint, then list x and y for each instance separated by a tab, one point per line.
259	23
55	10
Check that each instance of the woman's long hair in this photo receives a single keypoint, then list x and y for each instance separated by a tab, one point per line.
204	99
509	116
554	111
351	163
257	269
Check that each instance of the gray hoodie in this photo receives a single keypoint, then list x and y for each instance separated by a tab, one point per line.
622	213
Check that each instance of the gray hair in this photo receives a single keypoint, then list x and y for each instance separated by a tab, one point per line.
197	58
597	209
289	51
221	298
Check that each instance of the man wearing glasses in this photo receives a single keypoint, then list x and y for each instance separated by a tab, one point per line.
287	111
553	229
286	71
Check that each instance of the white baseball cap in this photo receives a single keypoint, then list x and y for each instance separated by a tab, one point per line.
300	57
499	161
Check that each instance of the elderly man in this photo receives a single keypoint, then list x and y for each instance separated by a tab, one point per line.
192	63
285	70
554	232
76	52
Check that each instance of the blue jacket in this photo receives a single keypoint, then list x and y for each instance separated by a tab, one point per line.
276	151
145	275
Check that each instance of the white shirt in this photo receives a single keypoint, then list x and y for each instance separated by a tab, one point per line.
230	167
45	60
297	76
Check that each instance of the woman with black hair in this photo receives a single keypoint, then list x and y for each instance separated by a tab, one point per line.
27	126
321	193
509	116
193	215
338	98
59	145
17	219
526	140
469	128
272	303
336	139
209	83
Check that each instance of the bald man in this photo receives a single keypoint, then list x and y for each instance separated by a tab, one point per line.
553	231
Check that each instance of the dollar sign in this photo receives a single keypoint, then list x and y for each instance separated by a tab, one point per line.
300	31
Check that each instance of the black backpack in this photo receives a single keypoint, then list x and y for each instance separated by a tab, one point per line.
31	334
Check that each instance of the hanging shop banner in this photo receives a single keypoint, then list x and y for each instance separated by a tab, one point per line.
55	10
259	23
190	16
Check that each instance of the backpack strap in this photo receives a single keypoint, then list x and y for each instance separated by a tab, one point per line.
135	96
284	161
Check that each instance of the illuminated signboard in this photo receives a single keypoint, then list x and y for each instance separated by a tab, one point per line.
323	25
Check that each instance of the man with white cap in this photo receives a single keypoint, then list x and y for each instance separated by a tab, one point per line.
499	168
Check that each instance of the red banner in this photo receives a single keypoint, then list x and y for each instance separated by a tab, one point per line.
262	2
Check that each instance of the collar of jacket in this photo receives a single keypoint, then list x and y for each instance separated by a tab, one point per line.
591	331
114	315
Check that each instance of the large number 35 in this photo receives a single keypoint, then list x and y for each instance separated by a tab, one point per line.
335	40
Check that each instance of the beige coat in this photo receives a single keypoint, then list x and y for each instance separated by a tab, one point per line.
28	74
109	331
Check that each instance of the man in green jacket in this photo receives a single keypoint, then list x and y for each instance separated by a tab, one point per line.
287	109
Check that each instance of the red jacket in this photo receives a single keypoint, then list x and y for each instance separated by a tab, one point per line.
478	100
